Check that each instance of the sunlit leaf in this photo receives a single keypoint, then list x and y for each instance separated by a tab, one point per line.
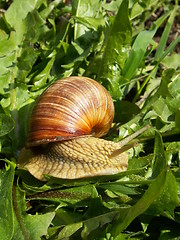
154	190
6	201
116	51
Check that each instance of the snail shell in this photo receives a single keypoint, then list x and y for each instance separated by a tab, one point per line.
69	108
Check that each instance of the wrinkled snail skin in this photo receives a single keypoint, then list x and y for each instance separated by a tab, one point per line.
65	126
77	158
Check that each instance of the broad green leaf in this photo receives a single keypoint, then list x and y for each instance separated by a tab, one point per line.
140	7
6	201
91	22
18	54
88	225
19	97
83	9
168	199
171	61
6	124
18	11
95	205
112	6
170	48
116	51
69	230
152	193
97	222
137	53
29	226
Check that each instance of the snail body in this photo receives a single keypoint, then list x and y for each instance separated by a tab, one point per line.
65	127
76	158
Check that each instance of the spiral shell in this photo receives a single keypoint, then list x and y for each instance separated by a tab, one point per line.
69	108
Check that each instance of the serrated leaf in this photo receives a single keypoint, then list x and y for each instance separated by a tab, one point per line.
29	226
6	124
83	9
18	55
116	51
18	11
6	208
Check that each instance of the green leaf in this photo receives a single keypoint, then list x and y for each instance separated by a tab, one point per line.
168	199
18	54
140	46
165	35
28	226
91	22
6	208
166	100
177	119
119	187
125	111
18	11
140	7
116	51
171	61
40	79
159	159
137	53
97	222
68	230
77	196
83	9
152	193
6	124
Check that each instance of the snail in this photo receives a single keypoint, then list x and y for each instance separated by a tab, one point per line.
65	129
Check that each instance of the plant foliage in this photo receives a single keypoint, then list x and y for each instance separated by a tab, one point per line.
111	41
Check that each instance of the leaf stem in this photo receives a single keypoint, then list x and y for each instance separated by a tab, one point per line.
18	214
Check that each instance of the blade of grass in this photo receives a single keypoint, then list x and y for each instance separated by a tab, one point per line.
165	35
139	48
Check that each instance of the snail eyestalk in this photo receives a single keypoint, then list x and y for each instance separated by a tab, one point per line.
122	144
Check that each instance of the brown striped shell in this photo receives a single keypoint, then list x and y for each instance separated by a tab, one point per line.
69	108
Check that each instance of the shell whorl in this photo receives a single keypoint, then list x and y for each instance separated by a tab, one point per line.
69	108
